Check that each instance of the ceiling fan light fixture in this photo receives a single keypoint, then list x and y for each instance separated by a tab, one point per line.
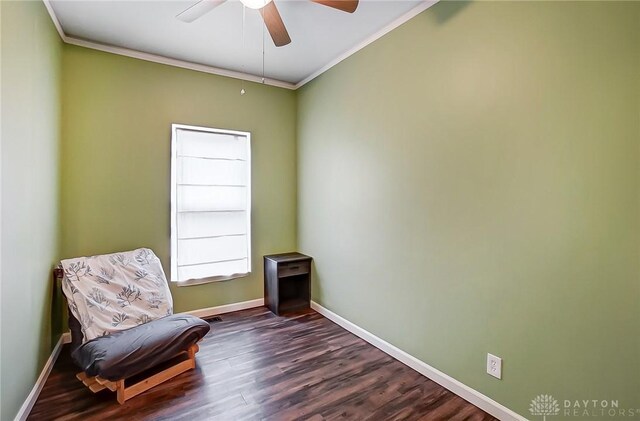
268	11
255	4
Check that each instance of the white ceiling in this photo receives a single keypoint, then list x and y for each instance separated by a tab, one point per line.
320	35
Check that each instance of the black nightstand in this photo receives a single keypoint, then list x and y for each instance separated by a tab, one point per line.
287	282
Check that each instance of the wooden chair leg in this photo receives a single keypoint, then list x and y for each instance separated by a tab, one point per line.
193	349
121	392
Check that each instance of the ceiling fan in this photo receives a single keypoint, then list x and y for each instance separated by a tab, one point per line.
269	12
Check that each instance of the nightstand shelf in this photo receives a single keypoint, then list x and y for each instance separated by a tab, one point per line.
287	282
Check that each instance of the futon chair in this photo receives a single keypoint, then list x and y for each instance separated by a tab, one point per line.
124	335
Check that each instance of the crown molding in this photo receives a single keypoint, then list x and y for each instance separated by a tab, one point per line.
127	52
424	5
175	62
55	20
155	58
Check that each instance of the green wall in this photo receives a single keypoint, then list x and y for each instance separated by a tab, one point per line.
469	183
116	125
31	57
85	170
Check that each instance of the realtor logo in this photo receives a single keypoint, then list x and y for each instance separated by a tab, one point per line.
544	405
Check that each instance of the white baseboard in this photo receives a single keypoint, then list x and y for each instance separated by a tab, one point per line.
465	392
227	308
25	409
473	396
65	338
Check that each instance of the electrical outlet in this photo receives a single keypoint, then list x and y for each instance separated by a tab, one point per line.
494	366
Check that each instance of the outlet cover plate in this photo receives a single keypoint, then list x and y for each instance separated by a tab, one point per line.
494	366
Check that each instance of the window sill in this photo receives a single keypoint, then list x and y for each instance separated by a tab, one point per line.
192	282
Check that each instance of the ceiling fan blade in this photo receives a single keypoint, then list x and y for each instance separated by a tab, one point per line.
275	25
198	9
348	6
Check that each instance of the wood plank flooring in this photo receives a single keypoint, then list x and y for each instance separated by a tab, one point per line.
254	365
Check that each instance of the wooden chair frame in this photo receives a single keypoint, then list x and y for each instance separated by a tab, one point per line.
124	393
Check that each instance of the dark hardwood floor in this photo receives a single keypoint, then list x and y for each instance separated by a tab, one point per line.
255	365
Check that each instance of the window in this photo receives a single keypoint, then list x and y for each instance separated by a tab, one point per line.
210	204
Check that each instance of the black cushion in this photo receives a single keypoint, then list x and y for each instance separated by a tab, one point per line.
132	351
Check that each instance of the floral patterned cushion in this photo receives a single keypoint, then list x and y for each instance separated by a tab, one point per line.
114	292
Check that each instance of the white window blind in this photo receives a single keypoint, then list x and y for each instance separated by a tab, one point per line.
210	204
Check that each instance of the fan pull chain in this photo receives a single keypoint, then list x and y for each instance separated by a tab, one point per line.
244	52
263	52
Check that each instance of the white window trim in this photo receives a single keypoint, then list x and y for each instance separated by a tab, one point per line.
174	205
